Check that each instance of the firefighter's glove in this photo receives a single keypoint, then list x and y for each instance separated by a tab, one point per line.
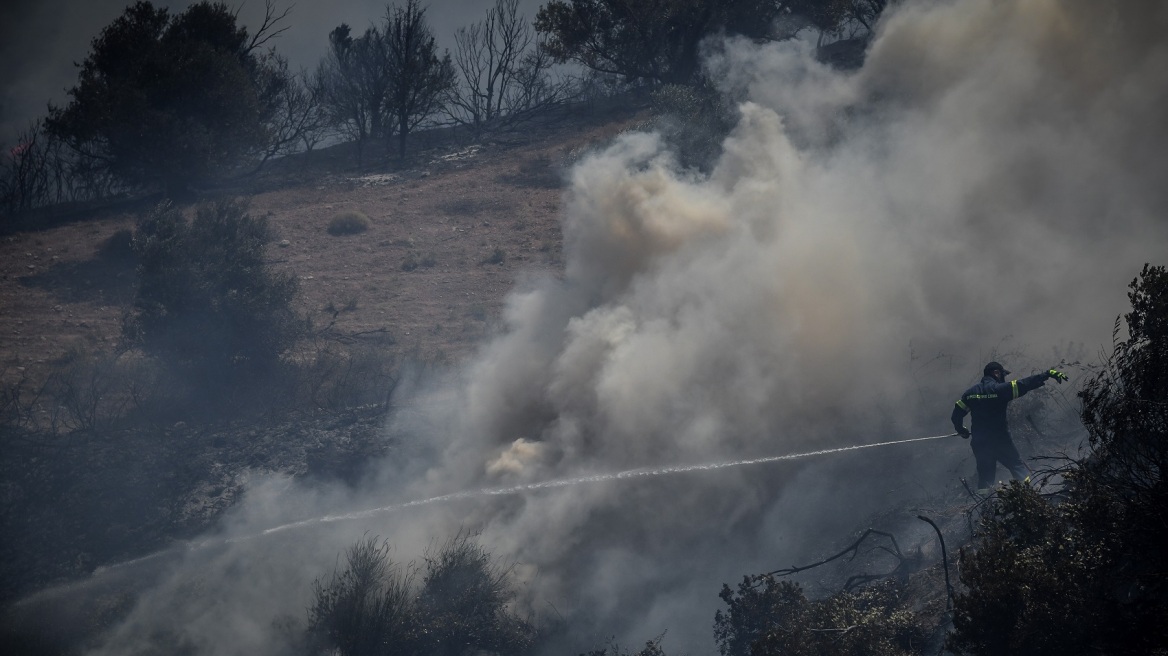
964	433
1057	375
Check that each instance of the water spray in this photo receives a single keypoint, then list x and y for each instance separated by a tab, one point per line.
518	489
577	480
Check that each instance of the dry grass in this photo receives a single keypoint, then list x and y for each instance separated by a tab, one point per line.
349	223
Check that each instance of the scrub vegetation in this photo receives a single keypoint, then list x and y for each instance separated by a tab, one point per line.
372	605
349	223
1084	570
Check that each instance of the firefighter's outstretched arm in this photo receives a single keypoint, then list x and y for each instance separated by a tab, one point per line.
1014	388
1024	385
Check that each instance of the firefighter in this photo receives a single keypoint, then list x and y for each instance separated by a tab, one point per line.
987	401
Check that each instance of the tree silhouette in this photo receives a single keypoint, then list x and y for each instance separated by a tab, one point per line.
419	78
166	101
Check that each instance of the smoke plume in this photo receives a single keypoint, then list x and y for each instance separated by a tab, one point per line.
987	182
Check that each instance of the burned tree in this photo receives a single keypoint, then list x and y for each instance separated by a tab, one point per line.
352	82
502	70
418	77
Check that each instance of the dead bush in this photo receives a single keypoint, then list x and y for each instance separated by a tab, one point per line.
497	256
366	607
651	648
769	616
93	391
464	206
539	172
339	376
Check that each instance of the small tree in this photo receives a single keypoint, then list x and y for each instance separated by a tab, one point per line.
30	171
296	118
208	303
352	82
419	78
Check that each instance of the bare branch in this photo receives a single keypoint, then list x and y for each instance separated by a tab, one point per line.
852	549
267	30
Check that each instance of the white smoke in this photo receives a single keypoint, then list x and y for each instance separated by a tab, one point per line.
993	172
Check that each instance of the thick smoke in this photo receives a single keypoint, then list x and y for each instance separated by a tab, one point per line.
989	181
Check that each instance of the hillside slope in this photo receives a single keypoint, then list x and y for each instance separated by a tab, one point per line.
450	236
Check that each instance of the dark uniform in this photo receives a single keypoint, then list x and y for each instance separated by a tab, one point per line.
991	441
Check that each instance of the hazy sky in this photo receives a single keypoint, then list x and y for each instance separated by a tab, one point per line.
41	39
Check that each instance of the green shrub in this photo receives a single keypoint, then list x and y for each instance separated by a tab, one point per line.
208	304
349	223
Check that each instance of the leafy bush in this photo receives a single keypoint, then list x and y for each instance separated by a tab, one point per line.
1032	567
770	616
373	606
207	303
1088	573
349	223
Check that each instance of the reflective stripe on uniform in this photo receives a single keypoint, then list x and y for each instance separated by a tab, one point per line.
1014	388
961	404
